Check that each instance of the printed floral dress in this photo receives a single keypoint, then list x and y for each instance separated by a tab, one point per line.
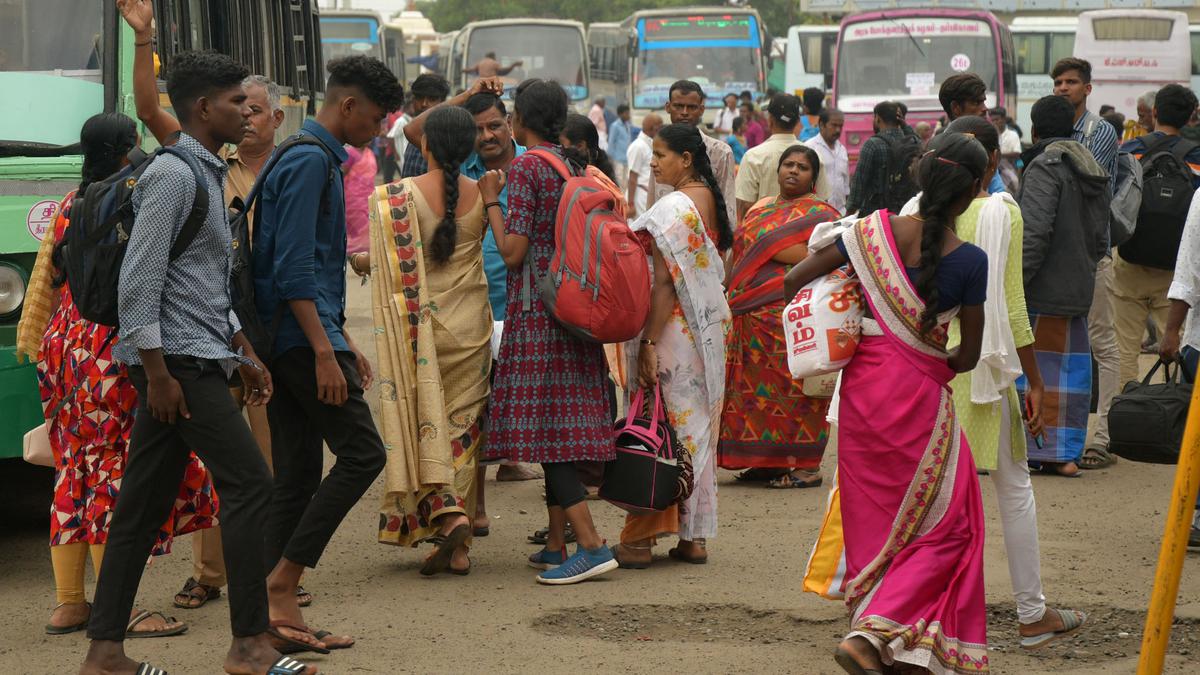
90	434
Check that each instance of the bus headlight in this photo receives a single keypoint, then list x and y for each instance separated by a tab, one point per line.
12	289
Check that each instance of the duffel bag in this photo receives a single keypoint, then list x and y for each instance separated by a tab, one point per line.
1145	421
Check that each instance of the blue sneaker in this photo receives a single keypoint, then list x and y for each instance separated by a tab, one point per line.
582	566
545	558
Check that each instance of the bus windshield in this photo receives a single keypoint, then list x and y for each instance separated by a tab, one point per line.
54	49
907	59
718	70
546	52
347	36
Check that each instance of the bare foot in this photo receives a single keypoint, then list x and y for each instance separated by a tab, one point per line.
106	657
70	614
516	472
863	653
253	656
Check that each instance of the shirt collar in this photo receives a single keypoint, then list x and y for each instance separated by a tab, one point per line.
189	143
1083	119
780	137
322	134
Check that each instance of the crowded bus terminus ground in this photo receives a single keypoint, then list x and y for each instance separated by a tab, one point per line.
63	62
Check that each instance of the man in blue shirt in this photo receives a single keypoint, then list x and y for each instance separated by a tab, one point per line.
300	289
620	134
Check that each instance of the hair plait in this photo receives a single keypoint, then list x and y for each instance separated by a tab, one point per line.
449	138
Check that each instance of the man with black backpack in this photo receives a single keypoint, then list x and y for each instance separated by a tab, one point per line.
1144	265
181	341
299	270
883	178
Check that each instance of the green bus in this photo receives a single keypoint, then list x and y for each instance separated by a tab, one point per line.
62	62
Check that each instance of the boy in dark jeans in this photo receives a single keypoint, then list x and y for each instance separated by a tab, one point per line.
300	289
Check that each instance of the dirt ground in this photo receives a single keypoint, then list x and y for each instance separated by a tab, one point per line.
744	611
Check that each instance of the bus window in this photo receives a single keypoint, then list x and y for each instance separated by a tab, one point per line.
547	52
38	36
814	55
1131	28
347	36
1062	45
1031	53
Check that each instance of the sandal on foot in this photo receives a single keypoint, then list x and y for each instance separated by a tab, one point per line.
440	560
629	564
51	629
286	645
195	592
540	536
287	666
789	480
1096	458
480	531
323	634
165	632
303	597
759	475
848	664
461	572
147	669
676	554
1072	621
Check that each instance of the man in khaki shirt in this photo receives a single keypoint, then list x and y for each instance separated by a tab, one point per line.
686	106
757	175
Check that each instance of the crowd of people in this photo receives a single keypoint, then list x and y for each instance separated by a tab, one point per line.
987	270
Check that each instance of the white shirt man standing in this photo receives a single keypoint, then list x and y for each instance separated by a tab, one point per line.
834	185
638	160
723	122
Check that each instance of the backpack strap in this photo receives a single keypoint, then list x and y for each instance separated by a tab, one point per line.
289	143
1183	148
195	220
555	162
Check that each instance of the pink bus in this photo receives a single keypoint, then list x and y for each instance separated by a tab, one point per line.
905	54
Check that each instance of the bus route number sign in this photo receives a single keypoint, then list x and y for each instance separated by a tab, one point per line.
40	218
960	63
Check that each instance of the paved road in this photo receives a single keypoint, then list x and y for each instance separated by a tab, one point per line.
742	612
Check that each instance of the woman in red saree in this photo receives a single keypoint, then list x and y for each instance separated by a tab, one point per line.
767	422
914	555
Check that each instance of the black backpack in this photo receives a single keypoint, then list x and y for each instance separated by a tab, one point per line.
1166	196
101	221
241	283
900	185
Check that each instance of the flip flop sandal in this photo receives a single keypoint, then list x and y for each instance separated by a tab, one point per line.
1096	458
788	481
147	669
440	560
848	664
758	475
540	536
322	634
65	630
300	595
1072	620
286	645
287	666
628	565
165	632
194	590
676	554
463	572
481	531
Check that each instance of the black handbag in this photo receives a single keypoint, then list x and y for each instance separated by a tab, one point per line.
1146	421
651	471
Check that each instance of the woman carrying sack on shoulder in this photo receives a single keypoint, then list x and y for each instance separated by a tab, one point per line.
682	348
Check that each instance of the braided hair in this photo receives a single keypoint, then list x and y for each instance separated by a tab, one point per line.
681	138
950	169
580	129
449	139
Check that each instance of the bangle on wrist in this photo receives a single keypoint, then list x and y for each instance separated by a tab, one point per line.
489	205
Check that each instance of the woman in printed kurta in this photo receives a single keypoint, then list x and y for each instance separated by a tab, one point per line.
682	347
89	402
767	421
433	333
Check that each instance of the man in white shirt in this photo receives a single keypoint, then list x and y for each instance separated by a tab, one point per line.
638	160
723	122
834	184
1010	142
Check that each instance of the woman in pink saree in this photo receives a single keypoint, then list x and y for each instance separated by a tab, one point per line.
914	554
359	184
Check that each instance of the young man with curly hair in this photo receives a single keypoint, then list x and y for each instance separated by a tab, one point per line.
300	289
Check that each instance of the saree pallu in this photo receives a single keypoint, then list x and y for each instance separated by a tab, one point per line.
691	362
913	558
767	421
1064	355
432	332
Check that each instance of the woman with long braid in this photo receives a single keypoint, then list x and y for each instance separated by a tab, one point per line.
682	347
912	568
433	332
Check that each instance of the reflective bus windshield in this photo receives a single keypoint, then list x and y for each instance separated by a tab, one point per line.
346	36
721	53
907	59
546	52
50	56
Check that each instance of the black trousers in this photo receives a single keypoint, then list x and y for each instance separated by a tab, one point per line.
305	510
563	486
158	454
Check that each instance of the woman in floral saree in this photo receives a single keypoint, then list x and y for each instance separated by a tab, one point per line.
768	424
914	556
682	347
433	333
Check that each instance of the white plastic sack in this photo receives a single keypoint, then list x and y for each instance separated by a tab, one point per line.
822	325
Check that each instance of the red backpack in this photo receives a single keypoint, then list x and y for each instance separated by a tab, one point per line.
598	282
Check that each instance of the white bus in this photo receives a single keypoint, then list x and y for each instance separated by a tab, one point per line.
809	56
1039	43
546	48
1133	51
1195	51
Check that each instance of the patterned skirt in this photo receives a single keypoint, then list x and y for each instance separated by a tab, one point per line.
549	401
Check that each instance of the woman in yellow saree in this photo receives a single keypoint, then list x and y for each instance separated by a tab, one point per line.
433	329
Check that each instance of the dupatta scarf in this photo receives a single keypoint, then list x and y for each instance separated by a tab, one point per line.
913	559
